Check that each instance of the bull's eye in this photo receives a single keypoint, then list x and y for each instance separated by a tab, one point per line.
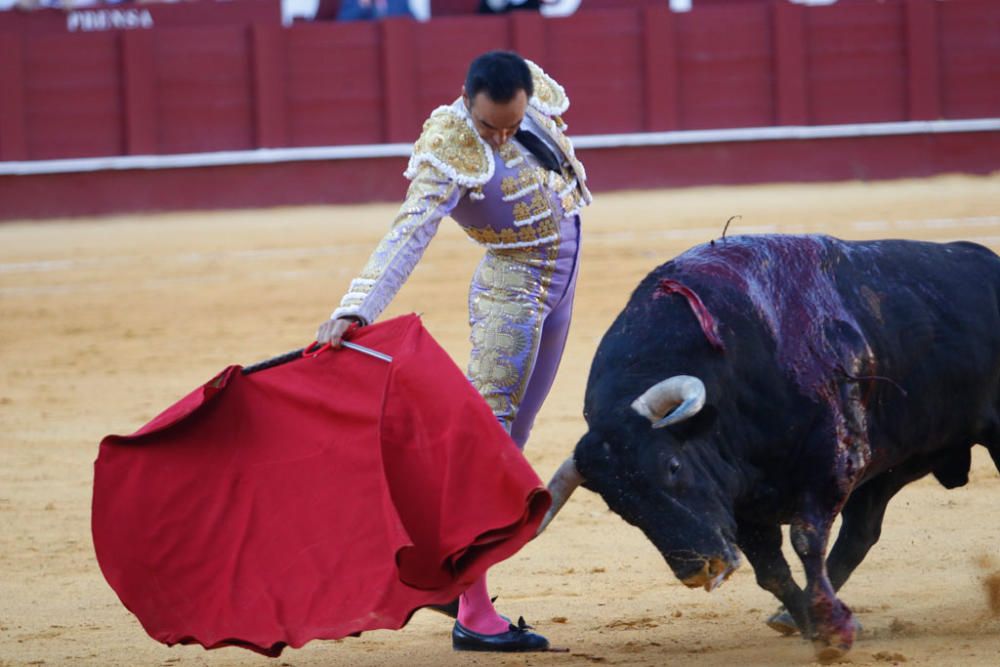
673	465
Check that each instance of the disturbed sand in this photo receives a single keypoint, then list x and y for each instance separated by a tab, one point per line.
104	322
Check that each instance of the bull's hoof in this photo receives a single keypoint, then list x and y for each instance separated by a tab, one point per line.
826	654
782	622
833	643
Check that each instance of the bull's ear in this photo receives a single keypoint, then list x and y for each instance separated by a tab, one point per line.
700	426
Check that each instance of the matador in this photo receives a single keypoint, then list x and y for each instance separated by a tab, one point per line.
498	161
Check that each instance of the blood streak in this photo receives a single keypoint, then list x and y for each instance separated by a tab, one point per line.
818	341
705	319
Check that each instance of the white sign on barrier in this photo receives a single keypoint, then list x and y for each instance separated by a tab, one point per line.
93	20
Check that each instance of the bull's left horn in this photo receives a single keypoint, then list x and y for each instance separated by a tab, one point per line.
561	486
672	400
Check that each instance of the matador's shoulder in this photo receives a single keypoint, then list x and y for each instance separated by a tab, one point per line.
549	98
450	143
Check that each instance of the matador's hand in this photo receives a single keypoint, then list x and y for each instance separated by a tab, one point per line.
332	331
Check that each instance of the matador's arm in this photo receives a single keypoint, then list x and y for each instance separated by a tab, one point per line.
430	197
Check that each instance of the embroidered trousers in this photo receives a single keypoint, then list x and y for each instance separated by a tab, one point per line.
520	307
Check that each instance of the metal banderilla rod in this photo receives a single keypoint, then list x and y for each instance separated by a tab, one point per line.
366	350
297	354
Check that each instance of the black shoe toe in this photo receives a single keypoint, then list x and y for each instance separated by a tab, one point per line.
517	638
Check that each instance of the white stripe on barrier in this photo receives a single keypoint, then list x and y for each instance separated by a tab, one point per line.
594	141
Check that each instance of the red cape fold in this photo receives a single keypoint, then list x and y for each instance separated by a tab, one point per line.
316	499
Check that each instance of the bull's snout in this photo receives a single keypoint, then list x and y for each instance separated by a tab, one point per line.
707	573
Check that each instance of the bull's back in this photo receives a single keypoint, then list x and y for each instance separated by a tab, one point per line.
930	314
915	324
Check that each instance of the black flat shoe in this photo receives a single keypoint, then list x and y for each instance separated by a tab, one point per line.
517	638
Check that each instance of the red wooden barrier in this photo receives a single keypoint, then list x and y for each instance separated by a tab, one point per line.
660	71
725	56
139	92
790	65
13	145
334	84
631	67
144	16
742	64
970	58
922	57
862	78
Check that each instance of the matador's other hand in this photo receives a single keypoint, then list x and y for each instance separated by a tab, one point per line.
332	331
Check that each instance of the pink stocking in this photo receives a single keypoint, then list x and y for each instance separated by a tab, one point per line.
476	612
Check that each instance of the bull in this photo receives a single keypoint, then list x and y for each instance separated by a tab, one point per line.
759	381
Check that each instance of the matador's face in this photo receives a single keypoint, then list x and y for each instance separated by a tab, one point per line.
496	122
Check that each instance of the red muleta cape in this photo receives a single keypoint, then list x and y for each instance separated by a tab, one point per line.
312	500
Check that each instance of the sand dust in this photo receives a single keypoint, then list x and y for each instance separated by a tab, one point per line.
107	321
992	585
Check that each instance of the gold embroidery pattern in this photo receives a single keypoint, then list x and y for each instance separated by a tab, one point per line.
508	152
529	212
511	185
505	309
449	143
549	96
571	201
544	230
557	182
425	194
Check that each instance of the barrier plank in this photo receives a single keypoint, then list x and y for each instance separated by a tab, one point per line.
13	144
139	92
970	58
598	57
267	56
725	64
333	82
660	76
72	96
204	89
856	55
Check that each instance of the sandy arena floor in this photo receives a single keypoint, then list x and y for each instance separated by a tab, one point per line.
104	322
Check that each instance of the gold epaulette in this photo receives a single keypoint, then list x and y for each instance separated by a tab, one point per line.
451	144
549	98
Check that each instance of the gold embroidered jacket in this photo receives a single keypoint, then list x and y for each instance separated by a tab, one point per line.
501	198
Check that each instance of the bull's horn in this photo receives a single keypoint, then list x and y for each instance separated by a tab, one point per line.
561	486
686	393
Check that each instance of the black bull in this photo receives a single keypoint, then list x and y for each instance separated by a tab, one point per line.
789	379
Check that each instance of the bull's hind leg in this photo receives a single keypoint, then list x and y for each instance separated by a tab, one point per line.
991	438
862	524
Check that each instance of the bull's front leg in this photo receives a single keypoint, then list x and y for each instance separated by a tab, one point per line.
762	546
832	625
862	525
